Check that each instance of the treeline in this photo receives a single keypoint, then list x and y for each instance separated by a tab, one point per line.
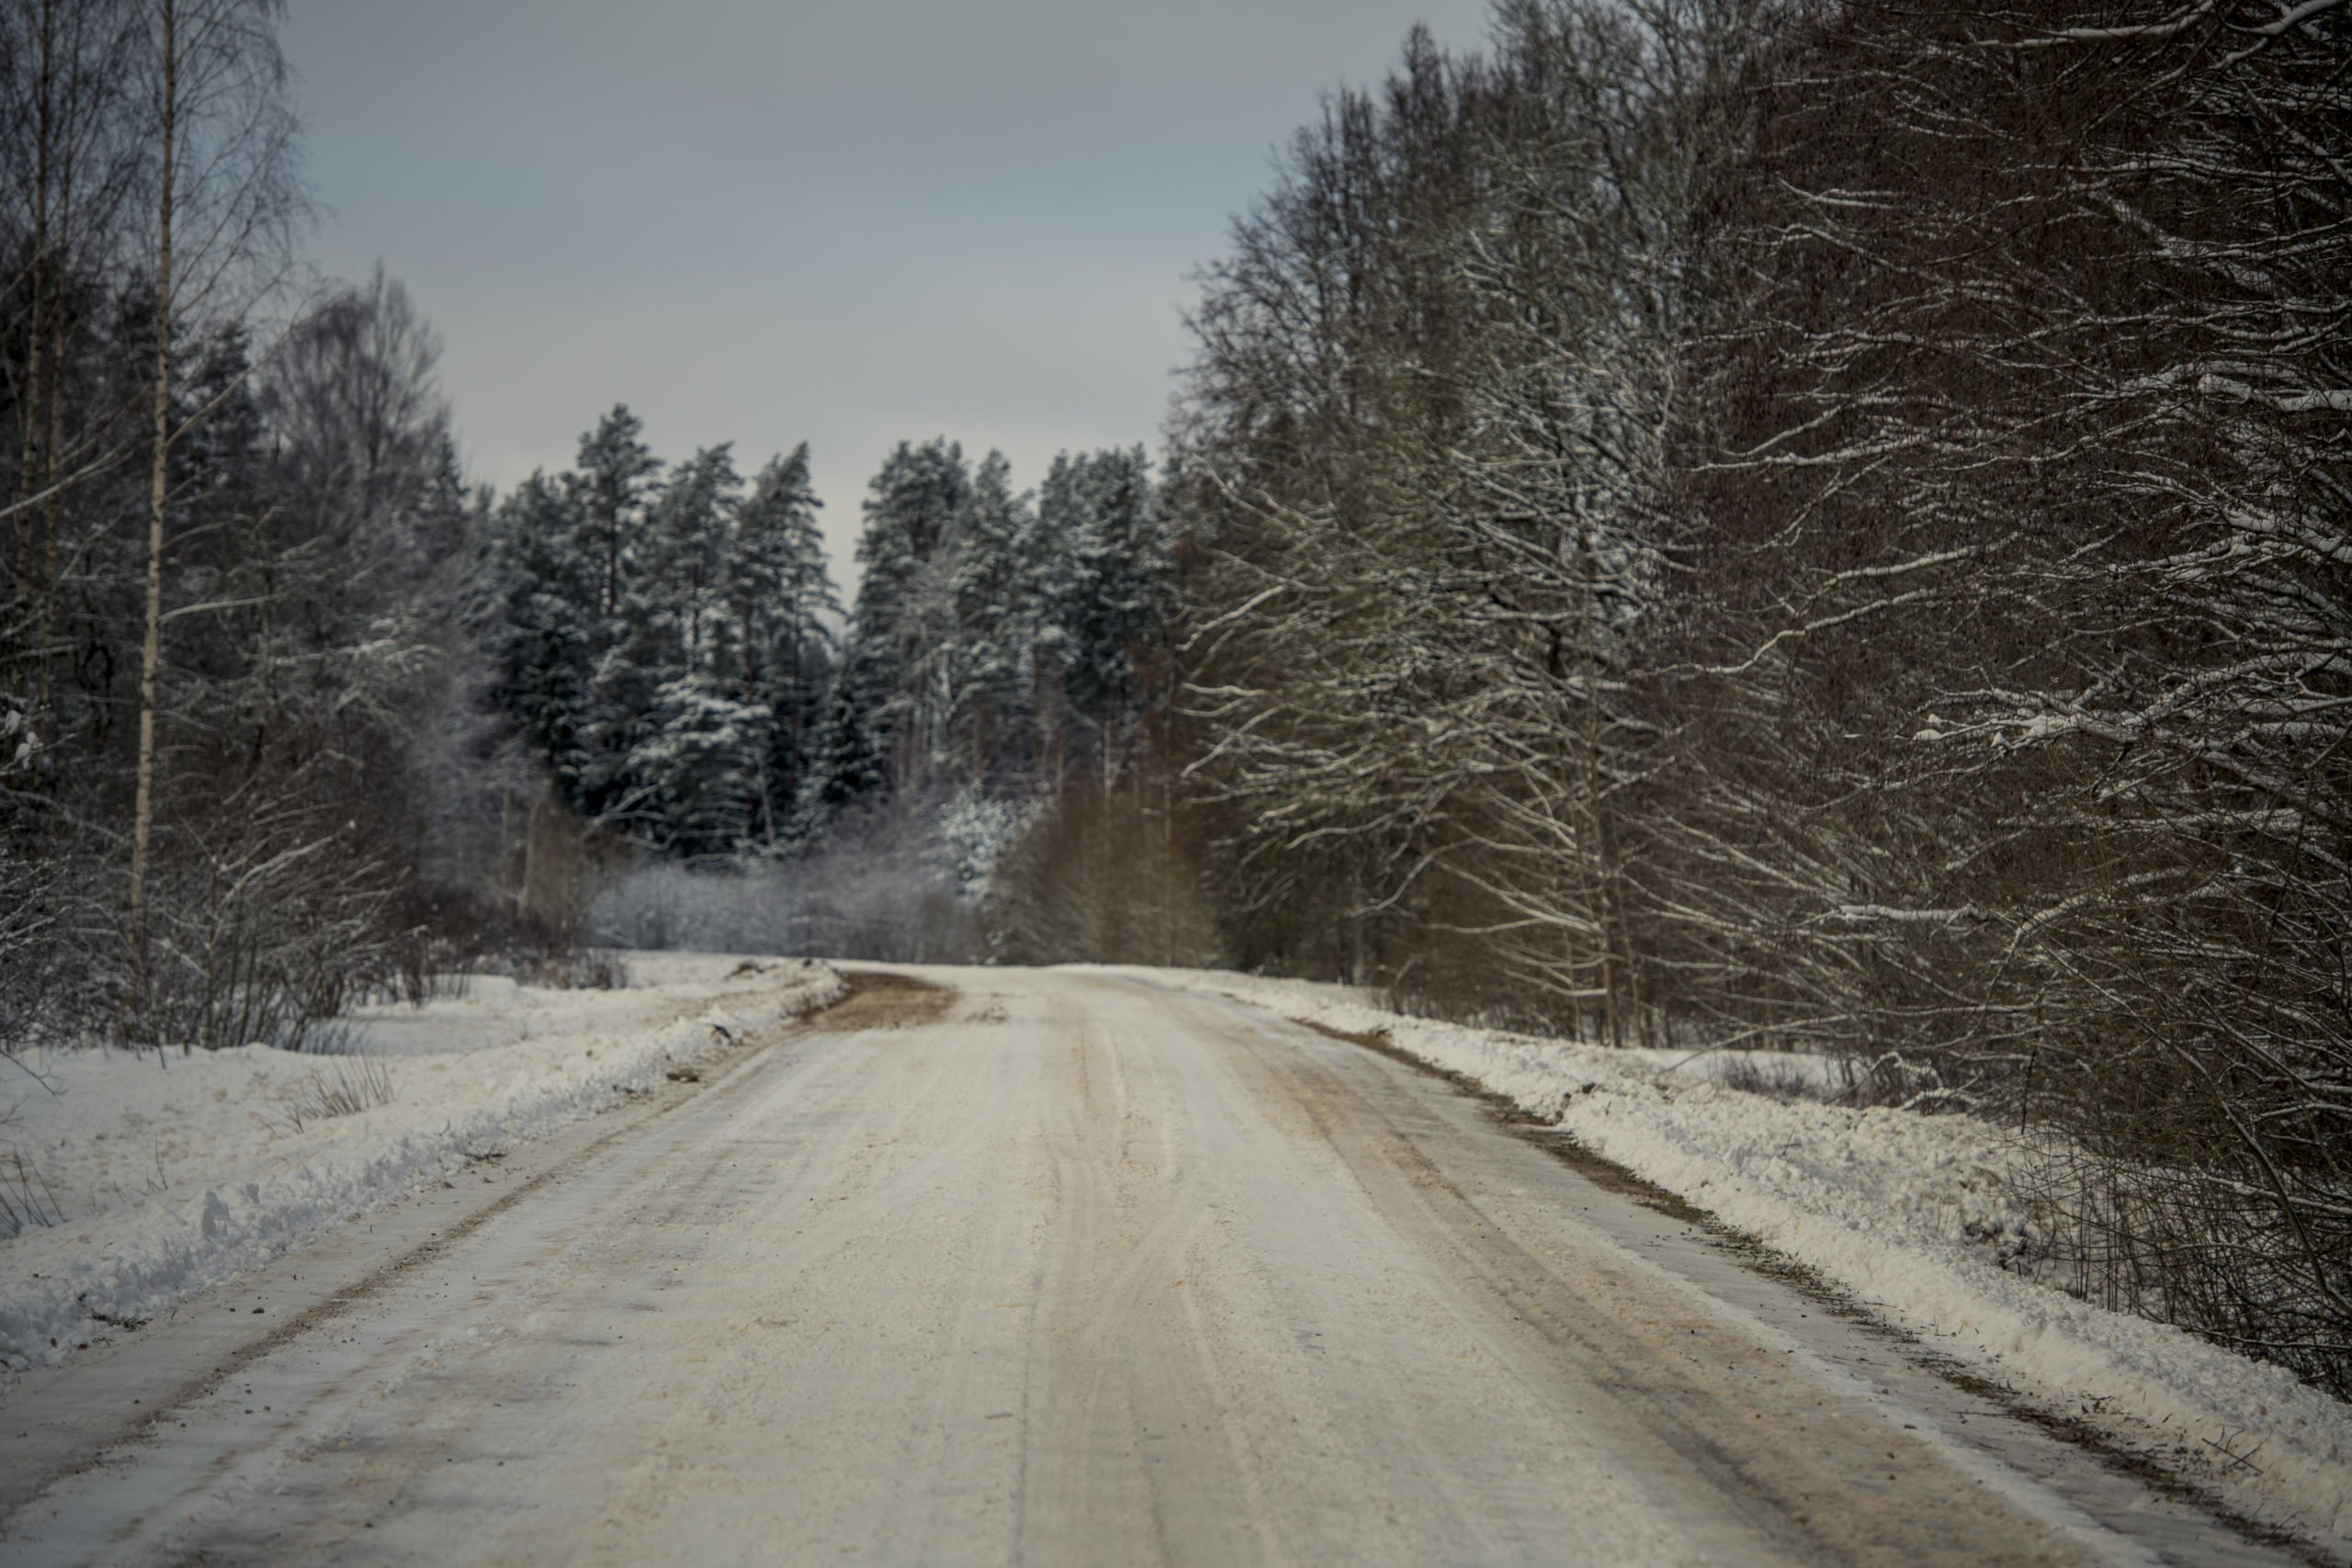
288	715
665	645
1728	523
1007	675
238	741
670	647
672	644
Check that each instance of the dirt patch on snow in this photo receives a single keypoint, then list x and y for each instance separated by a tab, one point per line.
878	999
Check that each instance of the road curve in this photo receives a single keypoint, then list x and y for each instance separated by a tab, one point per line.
1079	1271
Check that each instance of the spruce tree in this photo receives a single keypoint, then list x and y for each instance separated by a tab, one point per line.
1049	588
981	663
847	767
614	477
904	606
547	612
686	553
1109	593
669	733
779	599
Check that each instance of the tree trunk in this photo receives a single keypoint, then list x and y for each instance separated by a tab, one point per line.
41	140
158	493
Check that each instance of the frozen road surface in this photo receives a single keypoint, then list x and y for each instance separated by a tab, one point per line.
1038	1267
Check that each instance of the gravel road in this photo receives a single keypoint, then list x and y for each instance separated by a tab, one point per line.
1040	1266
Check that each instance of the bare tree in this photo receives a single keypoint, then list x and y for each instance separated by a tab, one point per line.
1820	524
2025	647
1429	429
69	165
222	129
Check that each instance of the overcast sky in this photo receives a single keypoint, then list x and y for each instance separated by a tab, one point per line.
849	223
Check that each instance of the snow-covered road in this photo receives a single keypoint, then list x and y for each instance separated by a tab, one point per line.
1070	1270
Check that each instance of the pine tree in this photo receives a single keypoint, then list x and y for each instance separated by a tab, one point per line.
668	731
1049	587
686	552
779	598
614	476
847	768
982	661
547	615
904	606
1112	587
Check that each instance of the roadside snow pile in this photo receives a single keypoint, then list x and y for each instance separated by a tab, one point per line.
173	1175
1913	1214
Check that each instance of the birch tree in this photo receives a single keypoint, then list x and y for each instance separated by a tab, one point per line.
222	131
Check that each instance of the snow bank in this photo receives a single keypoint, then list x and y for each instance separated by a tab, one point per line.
174	1175
1912	1215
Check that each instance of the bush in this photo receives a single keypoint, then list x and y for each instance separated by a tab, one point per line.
1100	879
882	887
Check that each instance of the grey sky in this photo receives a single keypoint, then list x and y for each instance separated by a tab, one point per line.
850	224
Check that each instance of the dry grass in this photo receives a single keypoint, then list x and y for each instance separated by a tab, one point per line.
25	1200
353	1084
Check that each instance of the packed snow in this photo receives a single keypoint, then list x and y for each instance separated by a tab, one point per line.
171	1174
1913	1215
167	1173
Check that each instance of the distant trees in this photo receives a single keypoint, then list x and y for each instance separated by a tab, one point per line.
904	615
1000	645
663	642
1007	662
998	640
1816	525
780	597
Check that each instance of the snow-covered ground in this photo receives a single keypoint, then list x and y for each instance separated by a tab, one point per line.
1910	1215
168	1174
175	1175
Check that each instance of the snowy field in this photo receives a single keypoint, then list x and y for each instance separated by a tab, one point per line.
1911	1214
168	1174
